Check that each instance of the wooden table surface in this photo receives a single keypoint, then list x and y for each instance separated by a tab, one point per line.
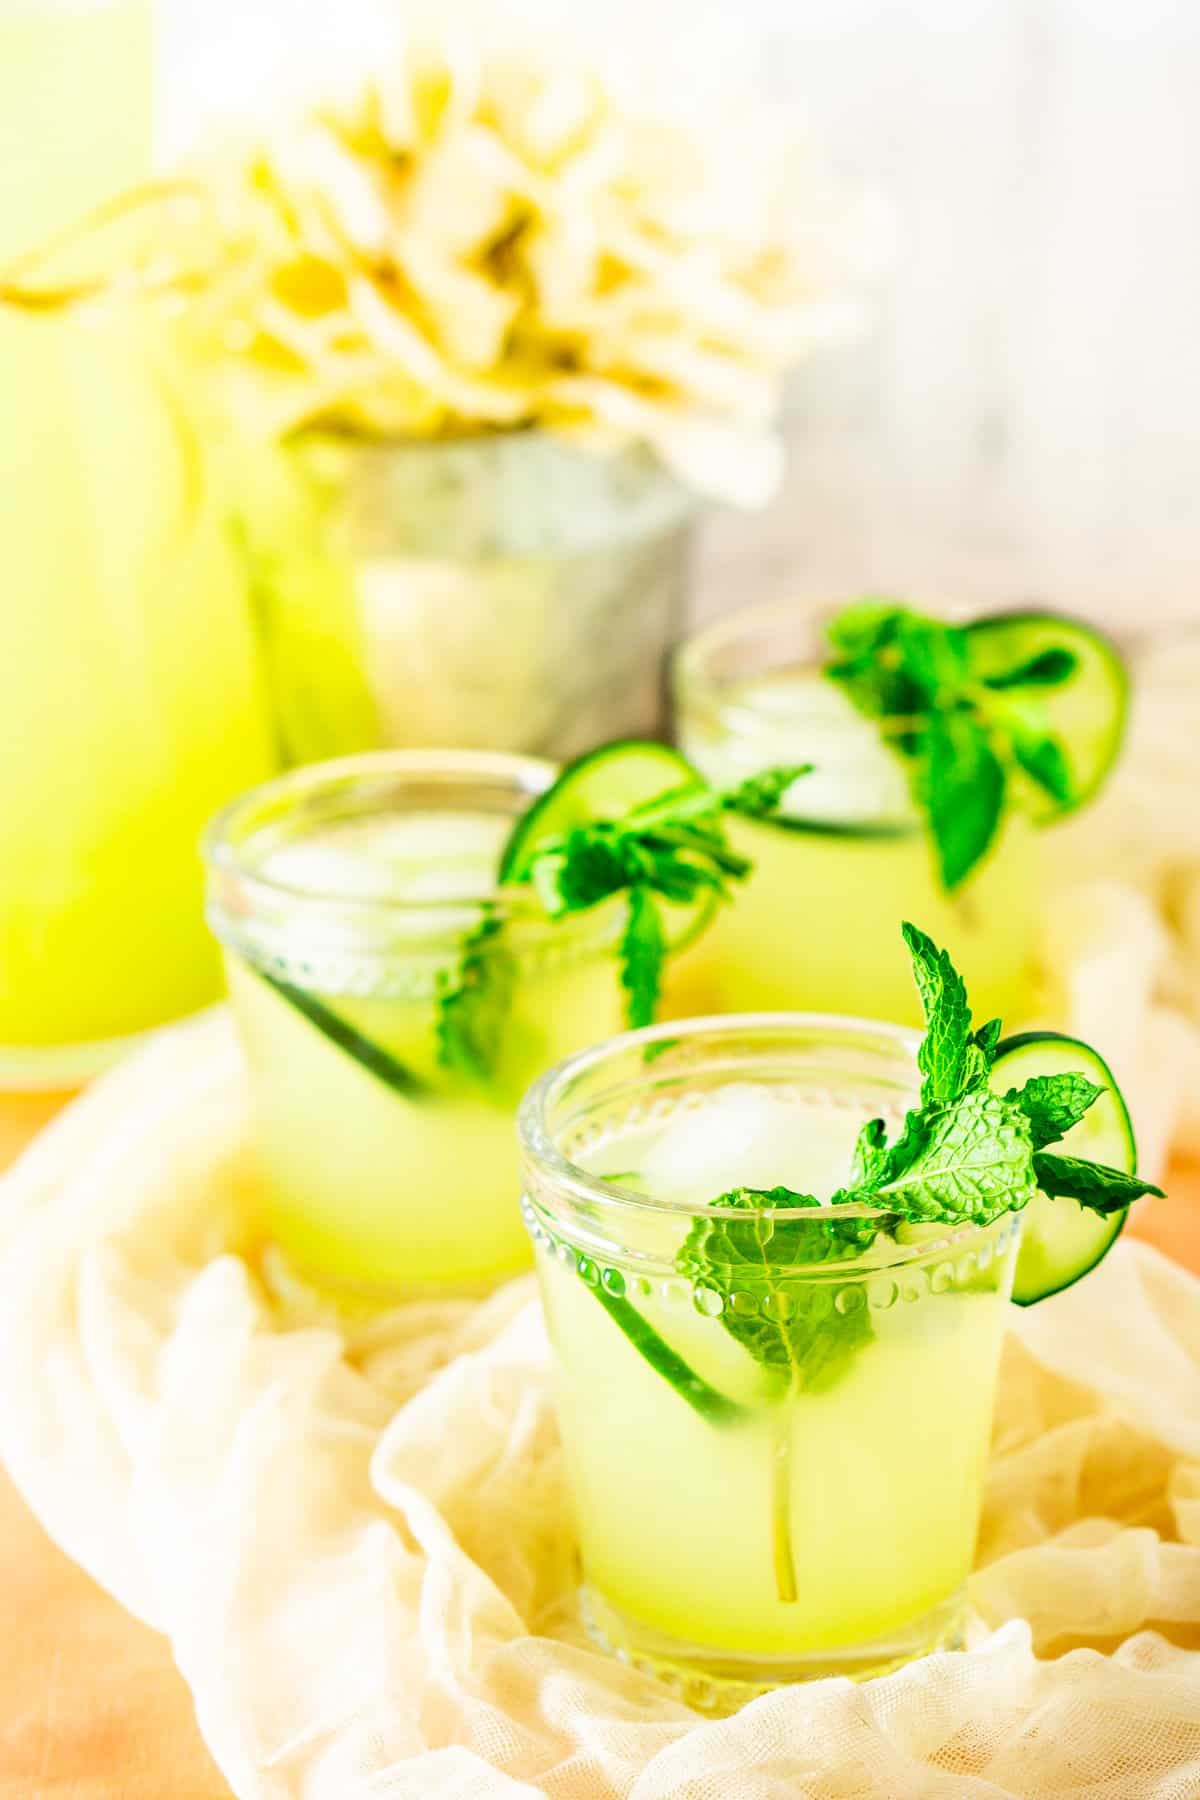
91	1704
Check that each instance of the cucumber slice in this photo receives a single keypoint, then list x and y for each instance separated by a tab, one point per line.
1061	1240
1087	713
601	784
373	1057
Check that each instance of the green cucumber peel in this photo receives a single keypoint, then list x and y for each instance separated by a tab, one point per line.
699	1394
372	1057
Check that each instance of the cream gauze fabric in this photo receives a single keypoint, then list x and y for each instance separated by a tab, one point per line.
359	1542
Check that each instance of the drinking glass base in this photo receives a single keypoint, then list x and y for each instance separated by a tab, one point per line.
714	1682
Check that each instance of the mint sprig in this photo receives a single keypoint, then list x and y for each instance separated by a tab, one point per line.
673	849
963	733
967	1154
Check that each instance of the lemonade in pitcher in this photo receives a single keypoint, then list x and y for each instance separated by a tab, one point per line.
131	699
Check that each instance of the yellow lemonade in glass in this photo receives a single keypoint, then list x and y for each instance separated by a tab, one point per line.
742	1525
131	702
354	899
848	855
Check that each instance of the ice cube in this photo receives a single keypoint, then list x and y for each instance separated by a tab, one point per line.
738	1136
410	856
325	867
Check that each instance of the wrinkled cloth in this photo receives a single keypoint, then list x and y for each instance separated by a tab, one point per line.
357	1537
1120	934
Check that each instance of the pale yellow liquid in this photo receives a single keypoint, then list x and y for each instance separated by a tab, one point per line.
884	1468
817	925
375	1191
75	112
131	703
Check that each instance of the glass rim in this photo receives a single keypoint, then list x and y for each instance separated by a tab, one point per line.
581	1185
225	853
696	689
691	658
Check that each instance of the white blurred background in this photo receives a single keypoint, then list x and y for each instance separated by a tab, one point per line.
1023	419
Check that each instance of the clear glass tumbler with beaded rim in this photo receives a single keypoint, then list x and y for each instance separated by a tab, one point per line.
350	899
742	1527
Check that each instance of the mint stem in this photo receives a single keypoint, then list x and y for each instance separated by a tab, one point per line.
704	1399
372	1056
781	1499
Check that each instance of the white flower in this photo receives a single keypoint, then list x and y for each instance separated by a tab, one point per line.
478	242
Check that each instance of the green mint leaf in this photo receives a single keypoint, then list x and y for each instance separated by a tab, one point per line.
871	672
1043	759
473	1008
590	864
864	628
1053	1104
760	796
642	954
933	655
897	1157
981	1053
593	862
1050	668
754	1256
697	845
871	1153
794	1240
963	792
1101	1189
960	1161
942	1057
